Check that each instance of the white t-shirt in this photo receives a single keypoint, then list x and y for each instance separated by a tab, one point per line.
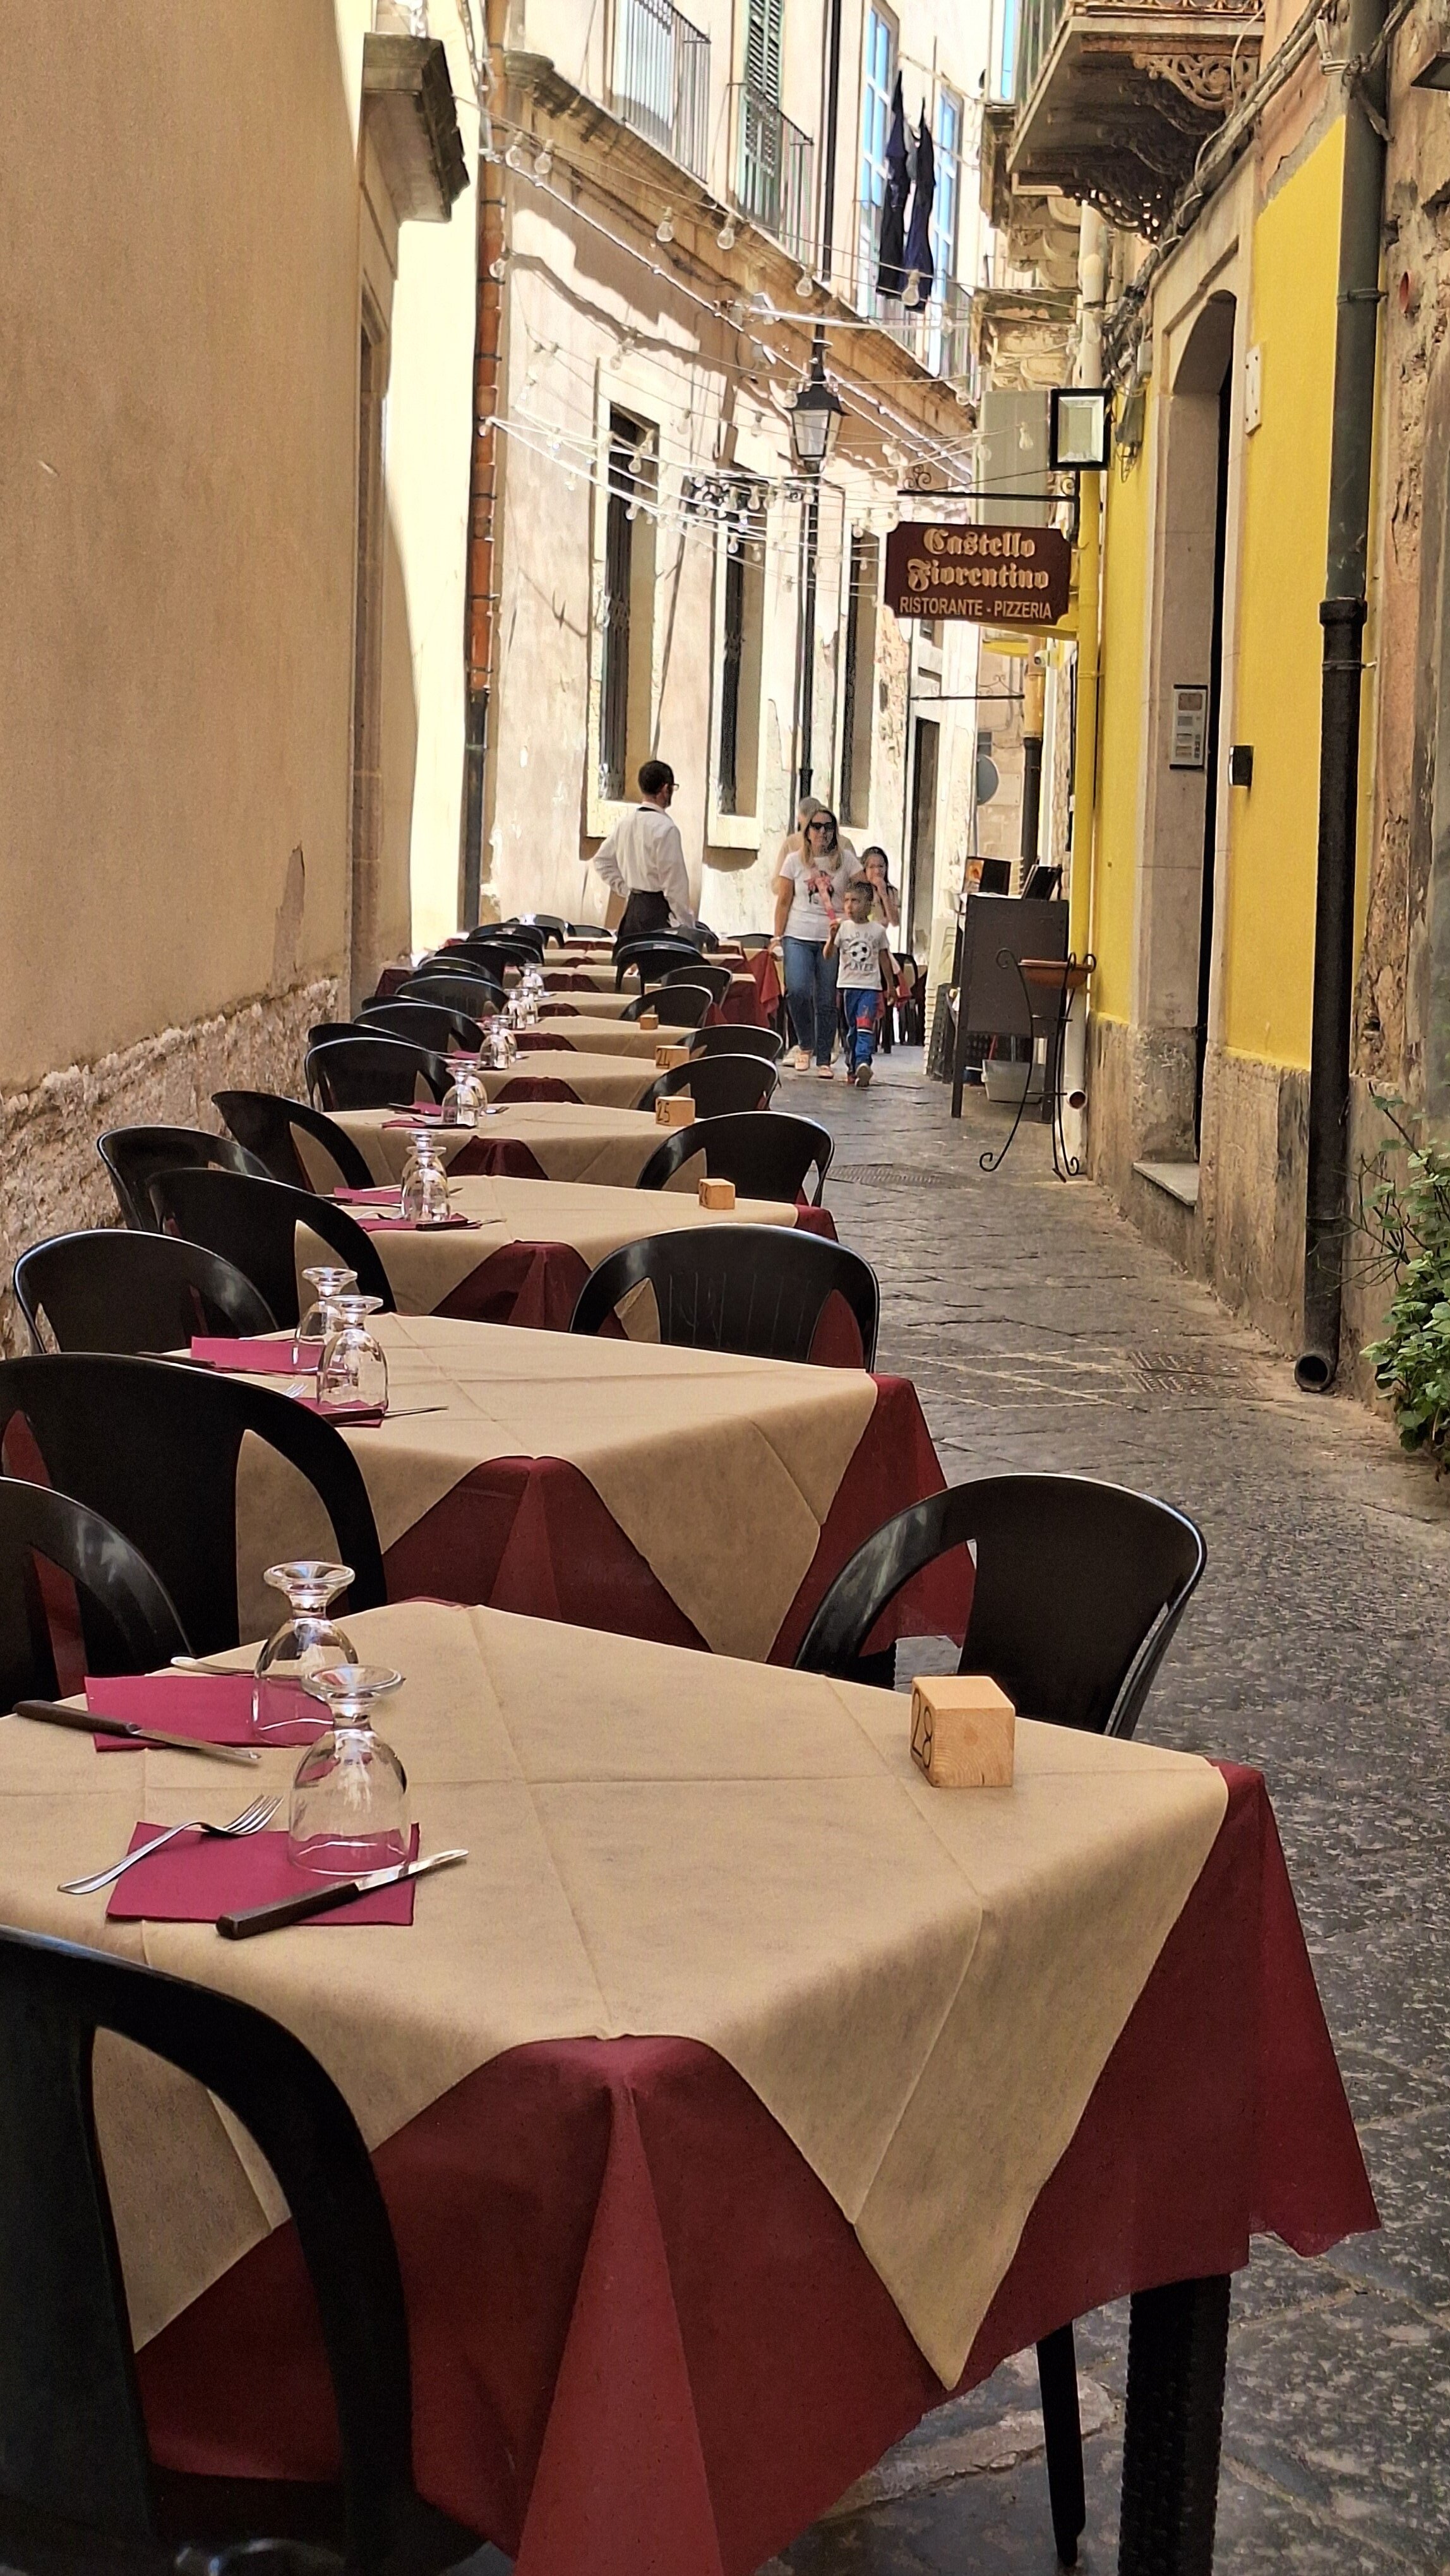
859	946
808	918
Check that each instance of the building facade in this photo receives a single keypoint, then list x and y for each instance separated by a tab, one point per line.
236	435
679	219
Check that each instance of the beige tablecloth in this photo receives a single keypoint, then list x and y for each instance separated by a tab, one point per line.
921	1985
425	1268
719	1470
591	1035
571	1142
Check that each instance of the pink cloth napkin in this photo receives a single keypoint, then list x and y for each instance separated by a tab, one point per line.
410	1225
367	1198
198	1878
356	1414
258	1358
214	1708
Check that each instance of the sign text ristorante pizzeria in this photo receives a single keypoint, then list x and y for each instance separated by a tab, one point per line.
1000	576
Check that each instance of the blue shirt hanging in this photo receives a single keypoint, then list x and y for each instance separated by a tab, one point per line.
891	242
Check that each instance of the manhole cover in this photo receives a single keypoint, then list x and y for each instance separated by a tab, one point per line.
894	1176
1193	1372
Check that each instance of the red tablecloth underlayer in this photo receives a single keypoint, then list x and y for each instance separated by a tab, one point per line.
645	2340
537	1285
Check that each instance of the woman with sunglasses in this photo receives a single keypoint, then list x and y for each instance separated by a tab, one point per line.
809	893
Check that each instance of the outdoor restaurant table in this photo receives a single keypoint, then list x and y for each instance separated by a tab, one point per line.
693	1496
588	1035
529	1246
562	1140
658	2086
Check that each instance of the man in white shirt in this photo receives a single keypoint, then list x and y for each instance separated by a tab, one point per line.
643	859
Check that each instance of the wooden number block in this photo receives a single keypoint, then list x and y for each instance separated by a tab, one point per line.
668	1056
648	1020
717	1194
963	1731
677	1109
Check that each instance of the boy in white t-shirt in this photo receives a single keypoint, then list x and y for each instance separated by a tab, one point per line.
861	946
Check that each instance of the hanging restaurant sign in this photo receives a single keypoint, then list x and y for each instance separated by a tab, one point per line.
1001	576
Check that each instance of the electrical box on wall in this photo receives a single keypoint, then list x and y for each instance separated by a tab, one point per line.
1253	387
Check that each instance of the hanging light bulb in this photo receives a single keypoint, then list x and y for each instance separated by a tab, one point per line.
727	236
633	510
498	269
665	229
514	157
544	164
805	284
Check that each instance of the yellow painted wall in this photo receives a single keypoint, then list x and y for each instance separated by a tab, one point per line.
1122	660
1269	952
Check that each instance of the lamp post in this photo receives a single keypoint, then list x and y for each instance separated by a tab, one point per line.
815	418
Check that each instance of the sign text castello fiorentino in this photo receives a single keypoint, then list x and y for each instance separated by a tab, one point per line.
1001	576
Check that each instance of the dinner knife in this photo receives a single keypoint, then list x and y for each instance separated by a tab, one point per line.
48	1712
324	1900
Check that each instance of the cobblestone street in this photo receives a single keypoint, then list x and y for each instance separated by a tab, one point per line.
1043	1334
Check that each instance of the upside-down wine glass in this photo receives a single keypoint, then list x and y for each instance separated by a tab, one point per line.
307	1641
328	1282
465	1100
353	1369
349	1810
424	1199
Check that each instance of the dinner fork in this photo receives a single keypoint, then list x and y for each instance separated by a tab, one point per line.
250	1821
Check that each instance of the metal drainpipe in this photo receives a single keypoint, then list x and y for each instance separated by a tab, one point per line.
807	725
482	574
1342	615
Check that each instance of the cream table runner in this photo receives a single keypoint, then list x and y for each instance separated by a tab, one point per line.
921	1985
601	1035
571	1141
719	1470
424	1268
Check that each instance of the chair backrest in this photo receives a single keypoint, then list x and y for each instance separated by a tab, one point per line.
372	1073
653	958
152	1446
680	1006
751	940
698	970
500	948
128	1622
253	1224
120	1291
757	1289
132	1154
739	1038
75	2439
265	1122
477	994
718	1083
766	1158
510	934
552	924
1078	1589
428	1024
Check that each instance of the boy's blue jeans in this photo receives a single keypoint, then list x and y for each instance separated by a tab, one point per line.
810	993
861	1009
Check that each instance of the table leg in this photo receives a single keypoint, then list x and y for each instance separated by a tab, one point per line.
1177	2349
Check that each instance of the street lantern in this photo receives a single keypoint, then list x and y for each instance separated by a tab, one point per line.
815	417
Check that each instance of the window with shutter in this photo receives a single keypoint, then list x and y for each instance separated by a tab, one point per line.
762	49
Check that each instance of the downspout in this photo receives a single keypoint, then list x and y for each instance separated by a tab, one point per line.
806	741
1342	615
1092	272
482	589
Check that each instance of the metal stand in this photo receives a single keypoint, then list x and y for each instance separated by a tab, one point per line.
1062	977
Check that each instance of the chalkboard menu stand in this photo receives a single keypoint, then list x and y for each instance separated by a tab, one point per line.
995	997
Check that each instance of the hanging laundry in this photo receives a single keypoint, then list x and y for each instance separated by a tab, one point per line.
917	261
891	241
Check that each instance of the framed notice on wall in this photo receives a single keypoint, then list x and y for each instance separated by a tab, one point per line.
1189	745
998	576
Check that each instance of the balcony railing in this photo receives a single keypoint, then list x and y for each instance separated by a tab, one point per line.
1037	23
1116	98
774	171
660	80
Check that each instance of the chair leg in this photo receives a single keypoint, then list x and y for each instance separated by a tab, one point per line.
1062	2429
1177	2351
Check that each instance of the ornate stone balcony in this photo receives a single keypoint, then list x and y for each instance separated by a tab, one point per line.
1116	98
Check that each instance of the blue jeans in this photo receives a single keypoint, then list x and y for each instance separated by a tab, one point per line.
862	1013
810	994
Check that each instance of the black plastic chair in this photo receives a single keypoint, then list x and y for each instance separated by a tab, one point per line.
766	1158
1078	1589
429	1024
478	995
128	1621
132	1154
679	1006
752	940
739	1038
268	1125
698	970
115	1290
372	1073
152	1445
653	957
492	954
718	1083
552	924
509	934
75	2438
756	1289
253	1225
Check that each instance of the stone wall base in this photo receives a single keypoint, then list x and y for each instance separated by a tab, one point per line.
52	1180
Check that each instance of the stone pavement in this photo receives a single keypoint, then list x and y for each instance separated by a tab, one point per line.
1043	1334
